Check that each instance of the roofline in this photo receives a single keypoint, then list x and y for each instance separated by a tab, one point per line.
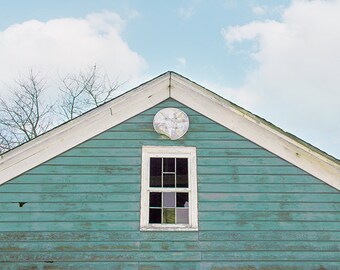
147	95
257	130
262	120
68	135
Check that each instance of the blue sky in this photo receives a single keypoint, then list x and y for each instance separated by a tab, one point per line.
278	59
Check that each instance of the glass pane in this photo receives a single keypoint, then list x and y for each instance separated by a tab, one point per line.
155	199
155	215
169	199
182	199
182	216
168	180
168	165
155	172
182	172
169	215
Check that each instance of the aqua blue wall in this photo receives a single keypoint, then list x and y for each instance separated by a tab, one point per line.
80	210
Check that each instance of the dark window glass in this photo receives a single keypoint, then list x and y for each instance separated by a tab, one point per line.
155	215
155	172
168	180
182	199
155	199
182	172
168	165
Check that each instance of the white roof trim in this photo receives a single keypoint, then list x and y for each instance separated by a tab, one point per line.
67	136
255	129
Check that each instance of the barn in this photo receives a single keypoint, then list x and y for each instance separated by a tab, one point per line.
169	176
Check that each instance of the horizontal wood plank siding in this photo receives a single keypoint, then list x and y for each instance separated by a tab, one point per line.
81	209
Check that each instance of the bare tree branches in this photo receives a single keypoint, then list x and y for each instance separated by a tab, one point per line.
84	91
24	116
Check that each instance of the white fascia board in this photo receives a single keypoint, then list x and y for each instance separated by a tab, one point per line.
68	135
254	129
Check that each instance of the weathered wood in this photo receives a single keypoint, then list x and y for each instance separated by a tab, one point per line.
156	265
70	226
165	142
270	265
137	135
271	256
68	206
100	161
238	152
94	236
273	235
100	256
261	179
148	118
75	179
57	197
20	246
258	188
250	170
269	206
244	246
242	161
81	209
270	225
92	187
85	170
269	216
53	265
102	152
275	197
79	216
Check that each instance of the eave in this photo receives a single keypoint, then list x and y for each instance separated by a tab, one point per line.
170	85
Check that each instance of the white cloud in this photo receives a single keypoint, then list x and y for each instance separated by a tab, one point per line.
298	76
66	45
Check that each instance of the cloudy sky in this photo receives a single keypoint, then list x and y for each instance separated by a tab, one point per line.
278	59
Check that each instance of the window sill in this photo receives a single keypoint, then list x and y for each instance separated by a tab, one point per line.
168	228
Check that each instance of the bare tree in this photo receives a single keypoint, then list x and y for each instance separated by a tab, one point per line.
84	91
24	115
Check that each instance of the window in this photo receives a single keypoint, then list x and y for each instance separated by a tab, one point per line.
169	188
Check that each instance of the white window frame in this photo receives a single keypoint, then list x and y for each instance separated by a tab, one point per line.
169	152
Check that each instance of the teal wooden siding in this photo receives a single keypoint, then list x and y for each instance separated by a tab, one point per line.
80	210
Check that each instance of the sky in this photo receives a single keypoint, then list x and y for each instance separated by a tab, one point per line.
278	59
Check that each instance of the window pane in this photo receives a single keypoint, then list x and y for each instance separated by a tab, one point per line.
169	215
155	172
182	172
182	199
155	215
169	199
155	199
168	165
182	215
168	180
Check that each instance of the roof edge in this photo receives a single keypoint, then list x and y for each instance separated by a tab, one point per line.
68	135
171	84
256	129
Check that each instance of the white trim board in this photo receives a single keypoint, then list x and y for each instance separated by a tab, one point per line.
67	136
170	84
